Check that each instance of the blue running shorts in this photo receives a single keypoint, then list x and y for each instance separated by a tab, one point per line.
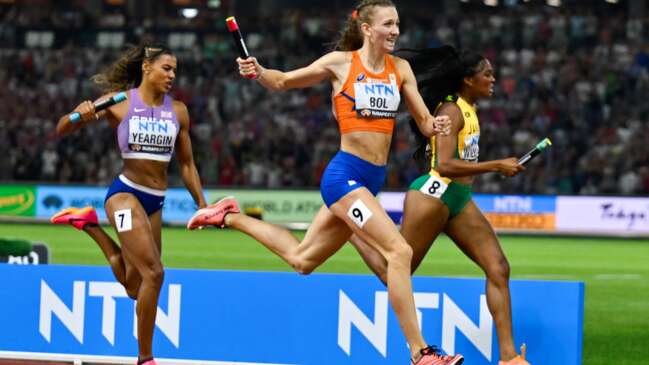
152	200
346	173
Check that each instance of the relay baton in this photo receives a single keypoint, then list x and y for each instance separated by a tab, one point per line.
117	98
233	27
535	151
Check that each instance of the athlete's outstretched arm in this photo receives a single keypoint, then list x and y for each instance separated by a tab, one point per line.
276	80
450	166
87	111
428	124
185	155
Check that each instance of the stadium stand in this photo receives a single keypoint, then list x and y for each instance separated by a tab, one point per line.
576	74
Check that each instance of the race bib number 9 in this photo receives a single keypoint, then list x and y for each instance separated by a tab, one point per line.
434	187
359	213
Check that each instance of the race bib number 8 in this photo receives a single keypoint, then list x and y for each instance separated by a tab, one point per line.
434	187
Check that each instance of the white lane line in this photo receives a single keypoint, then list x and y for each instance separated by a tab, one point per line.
80	359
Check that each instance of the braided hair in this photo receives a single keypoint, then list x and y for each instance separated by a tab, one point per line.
440	73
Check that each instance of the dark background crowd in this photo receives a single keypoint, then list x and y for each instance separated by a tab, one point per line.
577	73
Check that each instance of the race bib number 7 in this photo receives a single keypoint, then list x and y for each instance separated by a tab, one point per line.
123	220
434	187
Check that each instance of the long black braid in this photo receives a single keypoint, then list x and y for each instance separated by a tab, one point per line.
440	72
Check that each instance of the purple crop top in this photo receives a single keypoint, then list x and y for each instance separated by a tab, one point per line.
148	133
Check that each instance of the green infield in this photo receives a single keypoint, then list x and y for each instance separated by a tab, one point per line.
616	272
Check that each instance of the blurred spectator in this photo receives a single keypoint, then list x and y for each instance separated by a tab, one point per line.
578	75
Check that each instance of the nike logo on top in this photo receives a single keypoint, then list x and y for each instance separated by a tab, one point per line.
351	182
137	110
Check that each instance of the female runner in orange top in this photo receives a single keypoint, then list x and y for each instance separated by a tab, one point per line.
368	84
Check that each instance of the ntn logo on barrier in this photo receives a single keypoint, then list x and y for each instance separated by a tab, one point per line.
453	317
512	204
516	203
349	315
76	309
74	318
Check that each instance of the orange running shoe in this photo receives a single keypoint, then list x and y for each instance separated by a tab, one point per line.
214	214
77	217
431	356
518	360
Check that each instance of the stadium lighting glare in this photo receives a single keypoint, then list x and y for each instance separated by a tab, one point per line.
612	1
213	3
189	13
491	2
554	2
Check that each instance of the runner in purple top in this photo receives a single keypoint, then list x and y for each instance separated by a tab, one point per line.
148	132
150	126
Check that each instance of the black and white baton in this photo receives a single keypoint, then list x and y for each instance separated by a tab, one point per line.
535	151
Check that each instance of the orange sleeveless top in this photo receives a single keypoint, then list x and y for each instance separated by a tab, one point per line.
368	101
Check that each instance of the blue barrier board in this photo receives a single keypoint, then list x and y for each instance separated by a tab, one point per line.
280	318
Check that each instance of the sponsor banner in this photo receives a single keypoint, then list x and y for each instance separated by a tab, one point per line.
622	215
563	214
517	221
17	200
279	206
517	212
178	208
51	198
280	318
392	202
516	204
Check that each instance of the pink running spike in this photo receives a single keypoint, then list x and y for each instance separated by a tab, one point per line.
214	214
150	362
77	217
431	356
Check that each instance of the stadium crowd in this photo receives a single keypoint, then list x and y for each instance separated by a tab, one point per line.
575	75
